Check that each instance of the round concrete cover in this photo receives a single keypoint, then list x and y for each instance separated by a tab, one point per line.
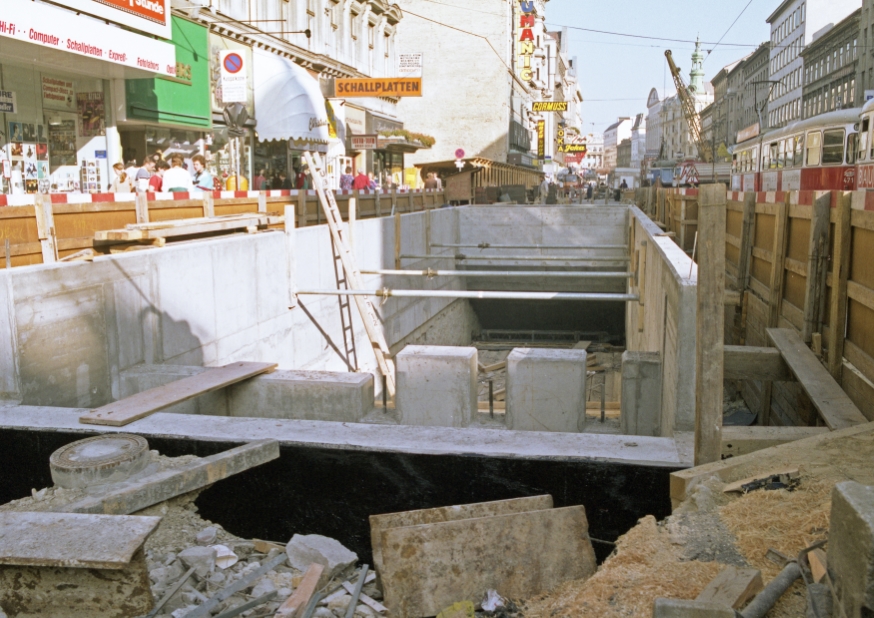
99	460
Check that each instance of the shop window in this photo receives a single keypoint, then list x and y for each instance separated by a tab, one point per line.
833	147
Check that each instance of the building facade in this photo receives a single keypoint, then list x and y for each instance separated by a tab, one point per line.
755	74
676	136
593	162
613	136
865	66
653	125
830	68
793	25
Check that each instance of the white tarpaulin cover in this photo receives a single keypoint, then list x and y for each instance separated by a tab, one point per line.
288	102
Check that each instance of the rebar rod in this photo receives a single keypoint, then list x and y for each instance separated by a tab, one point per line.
501	273
491	295
516	258
486	245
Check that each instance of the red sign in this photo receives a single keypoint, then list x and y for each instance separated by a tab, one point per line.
153	10
233	63
459	154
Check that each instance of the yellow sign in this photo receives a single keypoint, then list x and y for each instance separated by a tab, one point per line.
550	106
379	87
575	148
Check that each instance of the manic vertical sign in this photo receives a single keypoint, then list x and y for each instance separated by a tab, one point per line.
526	41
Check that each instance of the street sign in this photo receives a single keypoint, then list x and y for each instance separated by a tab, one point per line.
233	77
459	154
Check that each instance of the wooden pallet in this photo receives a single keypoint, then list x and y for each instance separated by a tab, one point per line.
145	232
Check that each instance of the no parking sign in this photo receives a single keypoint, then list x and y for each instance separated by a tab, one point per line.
233	74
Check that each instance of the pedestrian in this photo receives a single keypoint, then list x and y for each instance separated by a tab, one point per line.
361	182
371	182
122	183
144	174
544	190
156	182
259	183
431	182
346	180
202	178
301	181
624	184
283	182
131	169
177	179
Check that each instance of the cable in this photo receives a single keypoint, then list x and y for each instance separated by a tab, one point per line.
710	51
651	38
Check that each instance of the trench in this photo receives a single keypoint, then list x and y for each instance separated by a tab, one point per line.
332	492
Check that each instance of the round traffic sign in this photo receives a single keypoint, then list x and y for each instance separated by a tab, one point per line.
233	63
459	154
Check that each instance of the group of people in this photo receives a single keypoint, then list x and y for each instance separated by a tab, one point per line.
280	180
156	175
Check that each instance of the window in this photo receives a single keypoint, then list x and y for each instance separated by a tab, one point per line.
781	154
773	155
799	150
814	148
851	148
833	147
863	138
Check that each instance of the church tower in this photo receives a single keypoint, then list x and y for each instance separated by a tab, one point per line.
696	83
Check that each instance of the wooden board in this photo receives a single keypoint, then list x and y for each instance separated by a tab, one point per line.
753	363
124	411
733	587
834	406
737	441
77	541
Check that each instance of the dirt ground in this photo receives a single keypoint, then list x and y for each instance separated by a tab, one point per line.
672	559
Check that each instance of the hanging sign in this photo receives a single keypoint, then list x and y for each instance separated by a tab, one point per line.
549	106
7	102
525	17
379	87
541	139
233	77
364	142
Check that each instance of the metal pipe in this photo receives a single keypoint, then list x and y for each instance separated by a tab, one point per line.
387	293
486	245
768	597
492	398
516	258
501	274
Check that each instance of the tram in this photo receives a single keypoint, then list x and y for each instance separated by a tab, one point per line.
818	153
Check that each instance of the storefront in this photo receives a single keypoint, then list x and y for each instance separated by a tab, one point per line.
56	69
170	114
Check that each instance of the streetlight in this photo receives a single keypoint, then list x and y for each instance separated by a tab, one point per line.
729	94
760	108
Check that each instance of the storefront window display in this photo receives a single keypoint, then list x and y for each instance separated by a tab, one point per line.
271	158
388	168
230	161
53	136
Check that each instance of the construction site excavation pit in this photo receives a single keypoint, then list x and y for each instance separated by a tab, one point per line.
500	392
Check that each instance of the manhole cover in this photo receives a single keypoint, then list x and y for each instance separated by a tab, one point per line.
99	460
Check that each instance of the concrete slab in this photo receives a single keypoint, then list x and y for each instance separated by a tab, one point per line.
641	407
653	452
851	547
427	568
436	386
676	608
546	390
379	523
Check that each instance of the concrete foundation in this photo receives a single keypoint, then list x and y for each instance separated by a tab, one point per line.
436	386
851	548
546	390
641	408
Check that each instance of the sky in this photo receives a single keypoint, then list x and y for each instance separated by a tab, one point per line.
616	73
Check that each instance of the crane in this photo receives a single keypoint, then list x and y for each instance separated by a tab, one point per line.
693	119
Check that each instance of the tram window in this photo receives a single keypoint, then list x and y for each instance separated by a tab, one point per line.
773	155
833	147
863	139
799	151
781	154
754	159
734	164
851	148
814	148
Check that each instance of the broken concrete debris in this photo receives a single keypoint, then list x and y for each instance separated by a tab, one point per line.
304	550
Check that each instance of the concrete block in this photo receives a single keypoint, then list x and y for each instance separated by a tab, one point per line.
851	548
429	567
641	407
380	523
678	608
436	386
546	390
304	550
304	395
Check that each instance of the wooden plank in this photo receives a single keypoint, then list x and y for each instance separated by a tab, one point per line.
858	388
818	247
818	564
796	266
775	289
124	411
45	225
763	254
832	403
363	598
748	235
185	227
208	205
861	294
142	208
733	587
142	493
397	235
737	441
295	604
710	324
753	363
77	541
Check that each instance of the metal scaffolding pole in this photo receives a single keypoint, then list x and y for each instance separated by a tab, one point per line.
517	258
485	245
501	273
387	293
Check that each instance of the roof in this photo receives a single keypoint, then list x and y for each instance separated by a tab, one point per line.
779	10
616	124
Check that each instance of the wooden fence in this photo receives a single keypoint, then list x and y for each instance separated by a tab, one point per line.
53	227
800	260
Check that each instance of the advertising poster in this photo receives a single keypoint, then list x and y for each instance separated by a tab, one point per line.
62	144
58	94
91	114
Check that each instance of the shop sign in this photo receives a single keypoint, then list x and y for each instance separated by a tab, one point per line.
7	102
364	142
233	76
151	16
541	139
379	87
53	28
525	39
549	106
410	65
749	133
58	94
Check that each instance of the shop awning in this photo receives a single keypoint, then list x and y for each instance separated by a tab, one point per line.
289	103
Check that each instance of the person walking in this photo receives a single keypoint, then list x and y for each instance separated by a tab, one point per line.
156	182
202	178
259	182
122	183
346	180
544	190
361	182
177	179
144	174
